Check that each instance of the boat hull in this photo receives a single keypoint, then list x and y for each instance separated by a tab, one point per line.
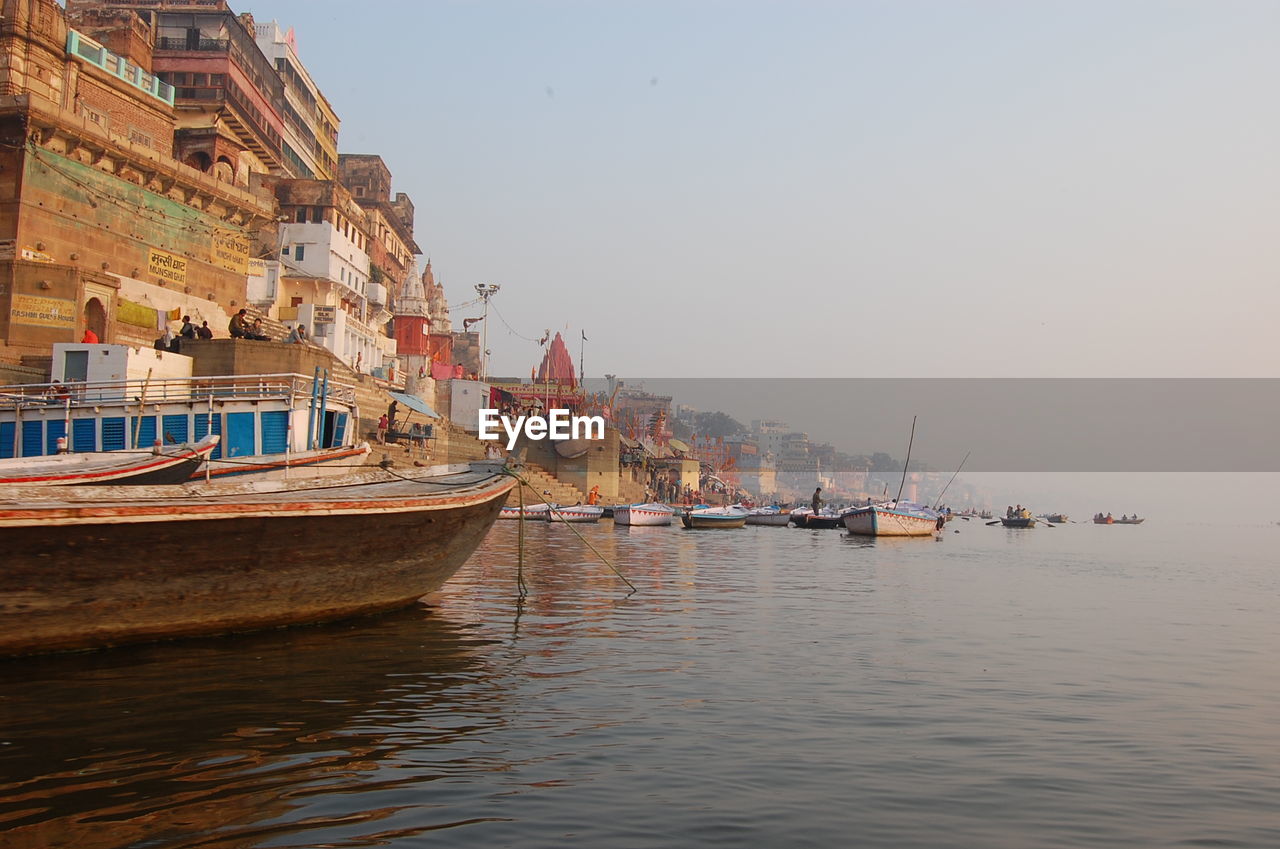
713	521
531	512
642	515
883	522
1018	523
779	520
822	523
90	575
170	465
575	515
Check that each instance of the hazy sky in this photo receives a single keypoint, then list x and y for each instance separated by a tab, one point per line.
848	189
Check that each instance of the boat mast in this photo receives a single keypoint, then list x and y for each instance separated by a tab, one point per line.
907	464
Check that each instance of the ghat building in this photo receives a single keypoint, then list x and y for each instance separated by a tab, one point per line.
161	158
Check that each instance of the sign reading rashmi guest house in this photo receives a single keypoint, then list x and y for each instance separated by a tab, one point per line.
43	312
166	266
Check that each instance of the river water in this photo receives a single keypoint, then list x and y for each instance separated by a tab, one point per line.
1080	686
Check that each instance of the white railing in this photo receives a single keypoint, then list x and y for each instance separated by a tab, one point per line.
255	387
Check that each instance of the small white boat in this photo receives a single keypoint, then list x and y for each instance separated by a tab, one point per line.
771	516
578	513
892	520
162	465
534	512
714	517
651	513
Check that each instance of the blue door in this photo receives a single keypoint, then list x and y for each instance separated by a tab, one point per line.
7	433
175	429
203	430
275	431
240	439
32	436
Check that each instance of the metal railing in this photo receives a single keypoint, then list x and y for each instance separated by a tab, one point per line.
258	387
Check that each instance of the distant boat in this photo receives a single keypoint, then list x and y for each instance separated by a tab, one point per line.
578	513
650	513
714	517
1129	520
1100	519
890	520
89	567
824	520
534	512
1056	518
171	465
1019	522
771	516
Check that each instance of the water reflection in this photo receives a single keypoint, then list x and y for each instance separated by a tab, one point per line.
217	737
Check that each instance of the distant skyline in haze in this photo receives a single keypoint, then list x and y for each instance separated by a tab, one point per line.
851	189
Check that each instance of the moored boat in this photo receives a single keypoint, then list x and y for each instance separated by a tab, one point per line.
650	513
169	465
892	520
90	567
714	517
534	512
824	520
578	513
769	516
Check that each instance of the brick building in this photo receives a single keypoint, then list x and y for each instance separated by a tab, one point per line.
99	225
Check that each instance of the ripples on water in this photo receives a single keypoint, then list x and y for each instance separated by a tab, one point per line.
1077	687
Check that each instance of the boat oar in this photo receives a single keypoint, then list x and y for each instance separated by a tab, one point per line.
996	522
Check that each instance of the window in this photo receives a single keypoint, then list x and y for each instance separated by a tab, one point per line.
200	79
298	252
317	214
301	215
217	79
284	251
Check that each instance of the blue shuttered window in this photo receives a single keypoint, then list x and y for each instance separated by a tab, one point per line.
84	435
202	430
7	433
146	431
339	429
275	431
113	434
176	429
56	429
32	438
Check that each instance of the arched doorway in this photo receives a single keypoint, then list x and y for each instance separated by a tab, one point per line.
95	318
199	161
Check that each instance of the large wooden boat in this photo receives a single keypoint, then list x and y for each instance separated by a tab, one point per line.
714	517
114	468
651	514
889	520
89	567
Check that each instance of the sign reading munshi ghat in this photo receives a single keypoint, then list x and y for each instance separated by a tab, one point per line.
230	250
43	312
166	266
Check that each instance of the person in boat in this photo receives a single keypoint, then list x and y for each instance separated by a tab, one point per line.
817	502
1008	512
1108	515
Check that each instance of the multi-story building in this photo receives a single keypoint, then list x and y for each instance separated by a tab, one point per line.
310	140
392	250
229	98
100	227
326	283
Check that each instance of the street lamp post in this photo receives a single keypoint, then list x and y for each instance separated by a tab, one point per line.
486	291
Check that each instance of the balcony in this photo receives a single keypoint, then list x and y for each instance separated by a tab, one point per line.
202	45
83	47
